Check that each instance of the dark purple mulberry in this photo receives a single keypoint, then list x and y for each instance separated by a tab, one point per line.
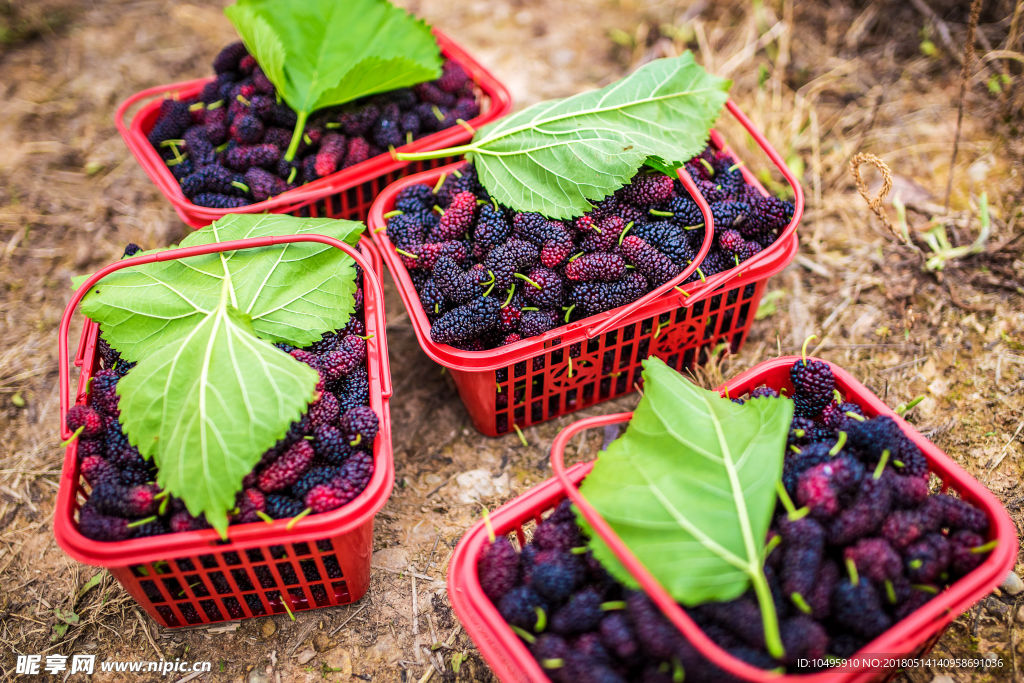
591	298
804	548
218	201
243	158
958	514
857	606
229	58
498	568
519	607
648	188
212	179
655	266
491	230
865	515
174	120
359	426
580	614
813	384
347	355
467	321
283	507
455	284
545	288
103	391
99	527
263	184
533	323
346	486
424	256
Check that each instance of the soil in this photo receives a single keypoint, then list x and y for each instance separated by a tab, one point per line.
824	81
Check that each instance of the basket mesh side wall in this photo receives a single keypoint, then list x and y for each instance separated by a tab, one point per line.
588	372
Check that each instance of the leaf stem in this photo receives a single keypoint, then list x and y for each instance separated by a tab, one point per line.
300	127
772	638
436	153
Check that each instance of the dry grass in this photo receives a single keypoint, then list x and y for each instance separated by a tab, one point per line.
822	80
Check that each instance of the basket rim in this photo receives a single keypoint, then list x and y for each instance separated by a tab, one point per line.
242	536
902	638
498	100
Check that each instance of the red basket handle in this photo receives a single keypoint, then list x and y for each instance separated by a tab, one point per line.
798	210
200	250
651	586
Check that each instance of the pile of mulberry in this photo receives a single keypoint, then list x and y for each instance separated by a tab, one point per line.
630	243
323	462
872	547
237	124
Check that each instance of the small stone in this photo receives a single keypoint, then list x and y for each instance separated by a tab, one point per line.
1012	584
258	676
268	628
322	642
338	663
943	678
1020	615
306	655
395	558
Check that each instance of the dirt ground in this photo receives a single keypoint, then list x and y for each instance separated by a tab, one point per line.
823	80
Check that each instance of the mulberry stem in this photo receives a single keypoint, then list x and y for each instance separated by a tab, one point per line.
531	282
803	351
300	127
840	442
295	520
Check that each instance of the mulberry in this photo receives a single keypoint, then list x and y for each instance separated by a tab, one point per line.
99	527
655	266
927	558
359	426
533	323
415	198
965	552
520	605
904	527
247	130
331	154
545	288
313	477
669	239
330	445
347	355
599	267
200	150
212	179
174	120
491	230
804	544
646	189
813	384
124	501
218	201
243	158
324	411
555	575
467	321
958	514
353	389
424	256
865	515
497	568
358	151
248	502
580	614
282	507
456	285
96	470
876	559
88	420
263	185
685	211
346	486
229	58
730	241
287	469
591	298
857	606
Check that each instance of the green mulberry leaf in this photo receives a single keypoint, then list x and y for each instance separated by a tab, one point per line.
557	156
321	53
690	488
209	405
293	293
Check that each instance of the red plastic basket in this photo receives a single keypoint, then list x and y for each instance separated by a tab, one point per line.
194	577
346	194
598	358
510	659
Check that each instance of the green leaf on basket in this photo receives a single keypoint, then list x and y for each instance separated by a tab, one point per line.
209	405
322	53
557	156
293	293
690	489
